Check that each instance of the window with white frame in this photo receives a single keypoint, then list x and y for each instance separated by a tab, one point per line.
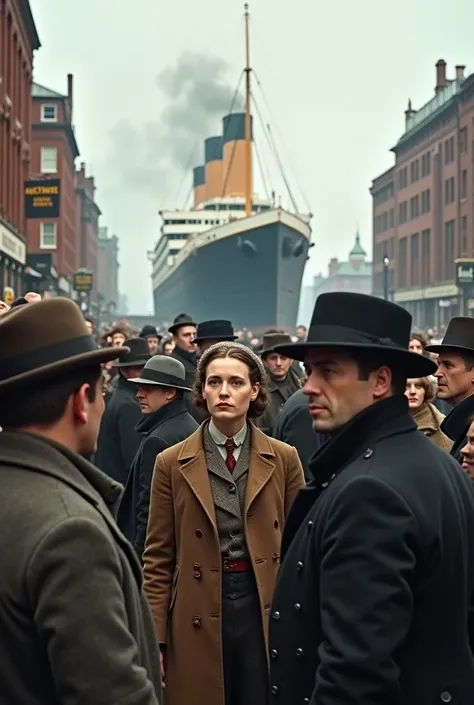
49	160
49	113
48	238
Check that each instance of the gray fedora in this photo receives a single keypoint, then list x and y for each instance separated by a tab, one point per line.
163	371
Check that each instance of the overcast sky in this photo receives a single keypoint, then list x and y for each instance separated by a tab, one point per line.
336	79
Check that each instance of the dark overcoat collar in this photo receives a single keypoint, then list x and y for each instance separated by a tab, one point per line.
149	422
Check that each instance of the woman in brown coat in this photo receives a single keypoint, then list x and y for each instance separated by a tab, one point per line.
218	506
420	393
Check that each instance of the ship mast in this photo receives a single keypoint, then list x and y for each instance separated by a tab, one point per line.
248	123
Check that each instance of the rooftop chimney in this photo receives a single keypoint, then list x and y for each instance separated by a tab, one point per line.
440	75
409	112
460	71
69	94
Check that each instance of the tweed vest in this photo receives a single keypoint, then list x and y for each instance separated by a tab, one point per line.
228	492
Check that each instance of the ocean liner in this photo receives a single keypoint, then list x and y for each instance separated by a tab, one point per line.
233	255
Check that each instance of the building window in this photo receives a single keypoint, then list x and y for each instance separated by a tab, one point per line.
414	207
426	164
402	212
414	171
403	178
464	184
426	201
49	113
449	249
391	218
49	160
464	236
425	256
463	140
449	191
449	151
402	270
414	259
48	238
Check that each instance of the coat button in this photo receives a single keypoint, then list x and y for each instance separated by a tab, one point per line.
446	697
276	524
310	526
274	653
299	653
299	566
198	575
199	533
368	453
196	622
275	690
276	616
197	566
297	606
231	489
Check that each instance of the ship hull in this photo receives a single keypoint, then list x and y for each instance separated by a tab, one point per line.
252	277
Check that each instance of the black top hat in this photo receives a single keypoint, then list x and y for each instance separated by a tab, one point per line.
149	331
271	340
459	335
138	355
358	321
182	320
215	330
163	371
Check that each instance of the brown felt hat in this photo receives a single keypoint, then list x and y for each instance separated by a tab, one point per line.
38	342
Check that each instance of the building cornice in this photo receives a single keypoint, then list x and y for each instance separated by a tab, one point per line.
29	24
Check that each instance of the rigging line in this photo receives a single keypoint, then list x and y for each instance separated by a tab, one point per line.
295	176
226	179
262	171
282	171
186	171
263	126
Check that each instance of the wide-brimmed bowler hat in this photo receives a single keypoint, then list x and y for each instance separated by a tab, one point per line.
137	355
182	320
215	330
42	341
149	331
459	336
163	371
362	322
271	340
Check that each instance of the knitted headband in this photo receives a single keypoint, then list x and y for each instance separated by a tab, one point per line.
229	344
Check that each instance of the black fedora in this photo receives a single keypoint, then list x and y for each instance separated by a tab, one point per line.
459	335
137	356
163	371
182	320
215	330
149	331
272	340
362	322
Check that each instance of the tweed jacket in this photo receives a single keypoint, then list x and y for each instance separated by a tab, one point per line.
228	492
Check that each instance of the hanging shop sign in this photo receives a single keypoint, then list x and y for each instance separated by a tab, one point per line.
83	280
464	272
42	198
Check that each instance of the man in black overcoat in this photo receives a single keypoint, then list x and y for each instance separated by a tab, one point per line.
165	421
372	602
118	438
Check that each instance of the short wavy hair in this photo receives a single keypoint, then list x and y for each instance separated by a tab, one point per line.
429	387
242	353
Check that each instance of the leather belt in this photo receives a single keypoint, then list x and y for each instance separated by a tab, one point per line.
238	566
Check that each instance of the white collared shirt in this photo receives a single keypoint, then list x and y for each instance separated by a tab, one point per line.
220	440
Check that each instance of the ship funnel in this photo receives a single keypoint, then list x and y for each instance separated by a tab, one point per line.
199	185
213	159
233	175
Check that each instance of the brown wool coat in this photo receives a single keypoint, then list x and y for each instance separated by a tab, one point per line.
183	561
429	419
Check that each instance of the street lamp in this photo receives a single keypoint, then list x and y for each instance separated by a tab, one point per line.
386	263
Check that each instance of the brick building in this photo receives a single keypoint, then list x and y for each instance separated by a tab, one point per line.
423	214
354	274
18	40
88	213
53	153
107	271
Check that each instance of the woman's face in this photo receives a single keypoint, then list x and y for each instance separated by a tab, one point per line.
228	390
118	339
415	346
415	392
468	453
168	348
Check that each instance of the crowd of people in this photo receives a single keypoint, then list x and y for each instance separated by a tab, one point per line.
201	515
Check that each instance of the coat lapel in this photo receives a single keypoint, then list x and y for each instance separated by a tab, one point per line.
193	468
261	465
